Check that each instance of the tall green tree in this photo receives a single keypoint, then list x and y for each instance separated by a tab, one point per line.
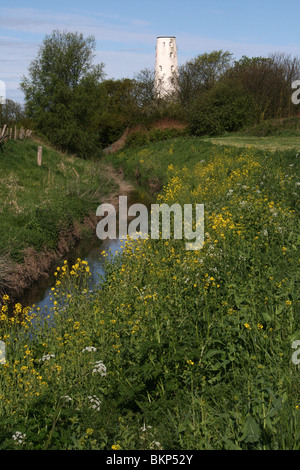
226	107
119	108
268	81
201	74
60	91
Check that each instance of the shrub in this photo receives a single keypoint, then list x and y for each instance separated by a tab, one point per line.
224	108
289	126
142	137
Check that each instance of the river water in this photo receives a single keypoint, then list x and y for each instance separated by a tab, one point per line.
89	249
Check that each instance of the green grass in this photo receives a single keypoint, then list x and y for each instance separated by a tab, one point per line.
270	143
148	164
272	135
40	204
176	350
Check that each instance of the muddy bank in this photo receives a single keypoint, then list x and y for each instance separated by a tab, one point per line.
37	264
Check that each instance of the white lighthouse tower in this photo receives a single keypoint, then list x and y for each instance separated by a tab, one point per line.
166	65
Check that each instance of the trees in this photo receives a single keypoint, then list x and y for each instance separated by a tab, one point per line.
290	71
60	92
70	103
201	73
10	112
268	81
219	95
226	107
118	110
150	105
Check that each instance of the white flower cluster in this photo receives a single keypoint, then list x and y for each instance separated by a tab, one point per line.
66	398
46	357
19	437
89	349
99	368
145	428
95	402
155	444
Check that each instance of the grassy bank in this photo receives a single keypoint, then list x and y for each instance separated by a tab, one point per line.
147	165
177	349
43	209
272	135
270	143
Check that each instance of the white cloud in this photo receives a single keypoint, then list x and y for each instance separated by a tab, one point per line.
15	59
24	20
120	35
125	45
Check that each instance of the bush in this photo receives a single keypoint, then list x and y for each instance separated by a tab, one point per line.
224	108
142	137
285	127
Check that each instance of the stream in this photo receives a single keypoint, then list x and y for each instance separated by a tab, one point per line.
88	249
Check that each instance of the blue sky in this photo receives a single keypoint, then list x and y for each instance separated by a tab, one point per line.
126	31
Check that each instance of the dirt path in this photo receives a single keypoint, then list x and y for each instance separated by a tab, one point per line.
124	187
118	144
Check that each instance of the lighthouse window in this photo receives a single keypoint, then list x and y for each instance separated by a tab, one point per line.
172	68
171	54
160	68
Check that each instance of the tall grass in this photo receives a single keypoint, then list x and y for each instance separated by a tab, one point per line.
44	209
39	203
176	349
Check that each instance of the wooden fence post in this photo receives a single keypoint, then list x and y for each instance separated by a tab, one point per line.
39	156
15	133
3	130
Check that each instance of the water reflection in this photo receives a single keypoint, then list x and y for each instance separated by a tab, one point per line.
90	250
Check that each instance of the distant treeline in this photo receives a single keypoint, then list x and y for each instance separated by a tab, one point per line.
70	102
220	94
